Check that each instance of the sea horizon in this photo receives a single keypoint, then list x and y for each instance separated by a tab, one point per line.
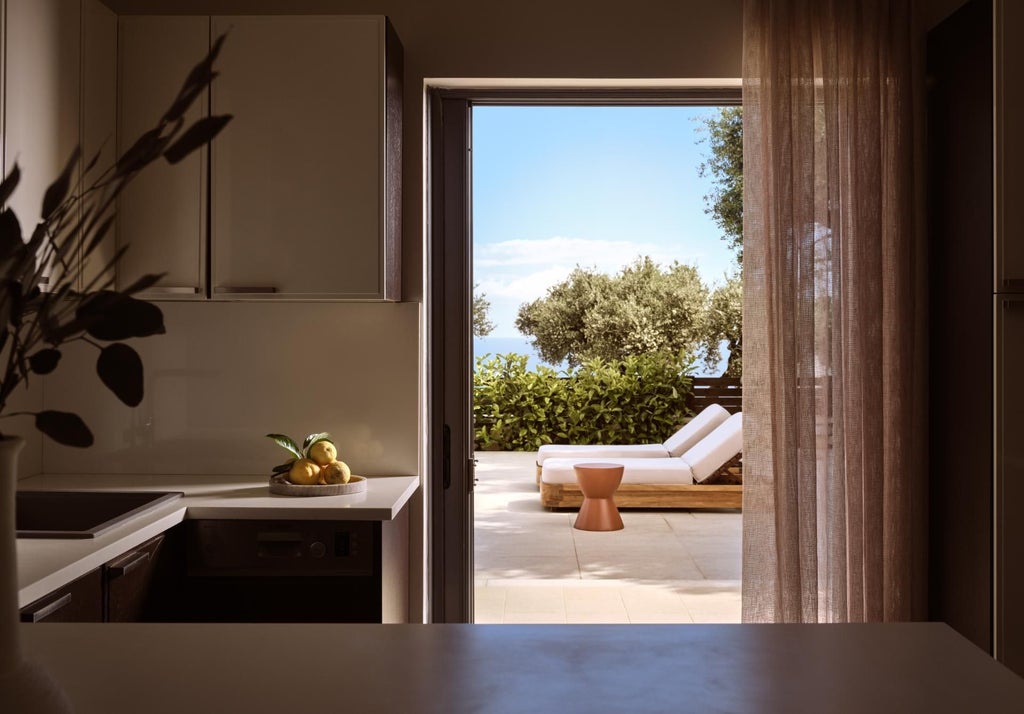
521	345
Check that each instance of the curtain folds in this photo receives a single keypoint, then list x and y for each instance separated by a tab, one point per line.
833	319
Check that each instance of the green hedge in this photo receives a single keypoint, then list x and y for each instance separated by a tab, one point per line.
641	399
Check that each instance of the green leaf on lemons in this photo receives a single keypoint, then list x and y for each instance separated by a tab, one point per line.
313	438
286	443
285	467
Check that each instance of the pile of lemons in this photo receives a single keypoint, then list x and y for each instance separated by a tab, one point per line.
315	463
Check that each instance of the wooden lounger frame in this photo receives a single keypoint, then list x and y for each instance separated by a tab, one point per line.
638	495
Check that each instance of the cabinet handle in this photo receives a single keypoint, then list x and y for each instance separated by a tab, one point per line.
164	290
253	289
127	564
46	610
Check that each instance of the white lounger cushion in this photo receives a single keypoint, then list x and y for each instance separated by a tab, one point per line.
600	451
692	432
714	450
669	470
696	429
695	466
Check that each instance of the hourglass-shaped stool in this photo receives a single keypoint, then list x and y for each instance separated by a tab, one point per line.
598	482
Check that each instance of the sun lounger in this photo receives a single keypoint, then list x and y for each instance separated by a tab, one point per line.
672	482
677	444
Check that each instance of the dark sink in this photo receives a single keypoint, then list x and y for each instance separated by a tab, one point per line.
81	514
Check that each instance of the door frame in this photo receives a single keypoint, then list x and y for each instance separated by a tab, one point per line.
448	295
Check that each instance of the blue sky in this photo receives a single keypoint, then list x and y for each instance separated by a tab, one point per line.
556	187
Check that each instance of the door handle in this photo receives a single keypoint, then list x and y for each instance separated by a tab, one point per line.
127	564
46	610
245	289
172	290
446	469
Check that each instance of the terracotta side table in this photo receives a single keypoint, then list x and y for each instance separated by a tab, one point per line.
598	482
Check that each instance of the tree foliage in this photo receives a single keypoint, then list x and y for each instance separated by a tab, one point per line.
724	322
482	325
641	310
725	167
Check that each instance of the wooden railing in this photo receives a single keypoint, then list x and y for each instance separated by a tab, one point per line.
725	391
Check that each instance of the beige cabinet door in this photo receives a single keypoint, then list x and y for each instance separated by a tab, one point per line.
162	214
298	193
99	119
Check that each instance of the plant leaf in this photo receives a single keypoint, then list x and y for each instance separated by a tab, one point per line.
120	368
286	466
98	236
198	79
64	428
286	443
95	158
10	183
313	438
10	234
146	281
202	132
44	361
112	316
58	190
146	148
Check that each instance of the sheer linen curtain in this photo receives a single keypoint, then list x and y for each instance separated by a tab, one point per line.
833	318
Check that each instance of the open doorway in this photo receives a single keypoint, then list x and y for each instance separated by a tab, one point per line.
523	550
598	257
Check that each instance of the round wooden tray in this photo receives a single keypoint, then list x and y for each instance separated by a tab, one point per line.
280	485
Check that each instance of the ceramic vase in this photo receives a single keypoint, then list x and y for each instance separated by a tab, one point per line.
25	686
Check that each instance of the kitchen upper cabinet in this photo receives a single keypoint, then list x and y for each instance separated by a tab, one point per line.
162	213
305	188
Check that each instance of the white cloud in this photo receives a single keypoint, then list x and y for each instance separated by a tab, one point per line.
606	255
514	272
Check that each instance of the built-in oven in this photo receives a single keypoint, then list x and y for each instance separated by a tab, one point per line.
283	571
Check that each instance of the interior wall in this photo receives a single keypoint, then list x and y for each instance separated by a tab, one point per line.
228	373
40	130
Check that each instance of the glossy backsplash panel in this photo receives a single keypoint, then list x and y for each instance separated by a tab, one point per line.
226	374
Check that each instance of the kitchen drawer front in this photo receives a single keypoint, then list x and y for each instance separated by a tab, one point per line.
78	601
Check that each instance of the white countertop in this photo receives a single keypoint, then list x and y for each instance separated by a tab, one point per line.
158	668
46	564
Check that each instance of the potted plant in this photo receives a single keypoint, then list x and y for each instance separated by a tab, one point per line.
35	323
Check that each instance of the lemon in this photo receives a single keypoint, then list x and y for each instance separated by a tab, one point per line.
323	452
336	472
304	472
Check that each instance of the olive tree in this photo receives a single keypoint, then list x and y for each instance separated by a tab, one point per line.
725	168
482	325
724	323
642	309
